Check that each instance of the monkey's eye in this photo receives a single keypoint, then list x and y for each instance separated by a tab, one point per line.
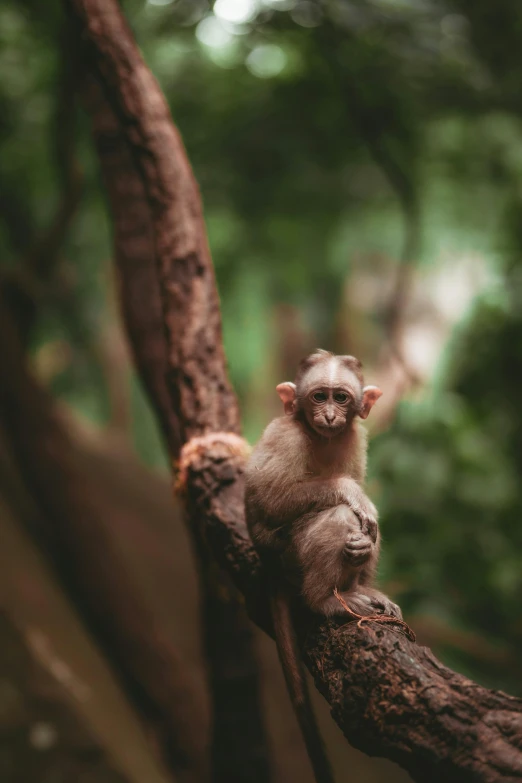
340	397
319	397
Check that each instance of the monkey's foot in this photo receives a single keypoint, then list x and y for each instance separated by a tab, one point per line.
359	604
357	549
381	603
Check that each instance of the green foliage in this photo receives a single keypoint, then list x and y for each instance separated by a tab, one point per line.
449	472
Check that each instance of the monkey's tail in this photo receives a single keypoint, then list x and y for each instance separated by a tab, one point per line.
293	669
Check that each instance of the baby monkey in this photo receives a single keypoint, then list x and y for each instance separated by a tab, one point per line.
305	507
309	518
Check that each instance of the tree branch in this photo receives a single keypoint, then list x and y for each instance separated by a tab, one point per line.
172	370
389	696
152	169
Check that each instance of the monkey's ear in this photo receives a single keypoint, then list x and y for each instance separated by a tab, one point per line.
286	392
370	396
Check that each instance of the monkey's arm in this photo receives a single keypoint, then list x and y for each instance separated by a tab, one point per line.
271	515
279	484
317	494
285	499
281	488
273	506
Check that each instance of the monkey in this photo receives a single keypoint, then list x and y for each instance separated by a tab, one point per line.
310	521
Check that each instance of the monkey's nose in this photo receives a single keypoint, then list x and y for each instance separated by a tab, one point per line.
329	417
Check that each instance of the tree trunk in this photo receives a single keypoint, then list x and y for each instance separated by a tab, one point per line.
63	715
71	516
146	196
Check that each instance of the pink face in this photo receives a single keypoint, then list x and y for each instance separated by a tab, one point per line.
330	395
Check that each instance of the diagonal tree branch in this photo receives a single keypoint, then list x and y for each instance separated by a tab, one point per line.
172	371
390	697
159	174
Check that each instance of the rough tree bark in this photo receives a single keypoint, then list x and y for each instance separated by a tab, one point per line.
390	697
168	371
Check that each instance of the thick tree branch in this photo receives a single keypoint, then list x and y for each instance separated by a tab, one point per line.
196	377
389	696
174	370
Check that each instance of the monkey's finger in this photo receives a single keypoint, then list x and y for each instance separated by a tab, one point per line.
370	527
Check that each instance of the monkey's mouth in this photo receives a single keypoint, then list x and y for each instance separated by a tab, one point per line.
328	430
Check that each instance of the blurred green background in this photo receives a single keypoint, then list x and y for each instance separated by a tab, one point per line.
360	164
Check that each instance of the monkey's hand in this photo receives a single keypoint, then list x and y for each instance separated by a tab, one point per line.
369	526
357	548
362	507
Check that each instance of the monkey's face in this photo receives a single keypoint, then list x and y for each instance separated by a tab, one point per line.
328	392
329	410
